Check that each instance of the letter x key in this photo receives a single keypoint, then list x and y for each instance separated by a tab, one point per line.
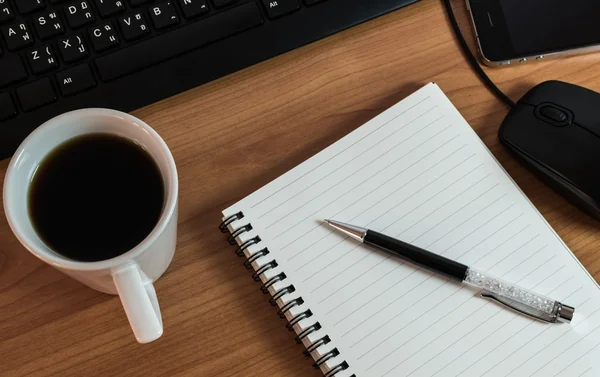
72	48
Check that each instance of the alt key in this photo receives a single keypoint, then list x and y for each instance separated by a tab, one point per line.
75	80
278	8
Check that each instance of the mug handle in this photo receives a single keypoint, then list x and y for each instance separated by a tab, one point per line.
139	301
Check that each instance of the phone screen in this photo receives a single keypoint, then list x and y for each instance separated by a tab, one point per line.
537	26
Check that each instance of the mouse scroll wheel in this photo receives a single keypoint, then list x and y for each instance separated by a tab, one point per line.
553	114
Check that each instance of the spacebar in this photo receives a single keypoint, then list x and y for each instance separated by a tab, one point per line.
179	41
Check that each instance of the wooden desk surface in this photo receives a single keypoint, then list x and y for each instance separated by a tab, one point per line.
229	138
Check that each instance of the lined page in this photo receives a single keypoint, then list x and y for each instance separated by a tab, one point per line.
419	173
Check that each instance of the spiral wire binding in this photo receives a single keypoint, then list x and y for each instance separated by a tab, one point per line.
323	359
307	331
245	245
298	318
338	368
321	342
285	308
225	224
224	227
254	257
256	276
279	294
265	287
237	233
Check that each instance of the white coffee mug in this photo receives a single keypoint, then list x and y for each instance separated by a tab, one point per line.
130	275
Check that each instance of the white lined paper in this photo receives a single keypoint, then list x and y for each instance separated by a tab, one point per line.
418	172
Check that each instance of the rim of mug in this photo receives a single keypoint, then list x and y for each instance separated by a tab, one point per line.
51	257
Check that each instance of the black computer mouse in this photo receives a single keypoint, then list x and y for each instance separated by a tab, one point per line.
555	131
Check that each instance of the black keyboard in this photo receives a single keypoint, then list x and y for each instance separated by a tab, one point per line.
59	55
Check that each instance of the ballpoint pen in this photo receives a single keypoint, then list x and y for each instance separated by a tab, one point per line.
516	298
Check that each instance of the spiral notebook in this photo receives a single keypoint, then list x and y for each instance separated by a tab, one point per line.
419	173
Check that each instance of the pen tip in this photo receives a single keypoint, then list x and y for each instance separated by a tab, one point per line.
327	221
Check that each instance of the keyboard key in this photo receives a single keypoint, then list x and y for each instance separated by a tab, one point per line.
163	15
75	80
178	41
48	25
103	37
42	59
36	94
28	6
223	3
17	36
110	7
79	13
193	8
7	107
135	3
72	48
278	8
6	13
134	26
11	70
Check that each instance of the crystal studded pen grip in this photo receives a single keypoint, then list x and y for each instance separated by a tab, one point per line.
519	299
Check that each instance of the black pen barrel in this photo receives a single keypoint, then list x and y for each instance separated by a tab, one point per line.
422	258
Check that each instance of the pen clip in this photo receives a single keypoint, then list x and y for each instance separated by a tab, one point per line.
519	307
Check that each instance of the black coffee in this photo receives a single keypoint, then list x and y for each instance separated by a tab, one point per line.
96	197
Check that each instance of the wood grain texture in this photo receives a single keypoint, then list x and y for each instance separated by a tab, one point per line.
229	138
